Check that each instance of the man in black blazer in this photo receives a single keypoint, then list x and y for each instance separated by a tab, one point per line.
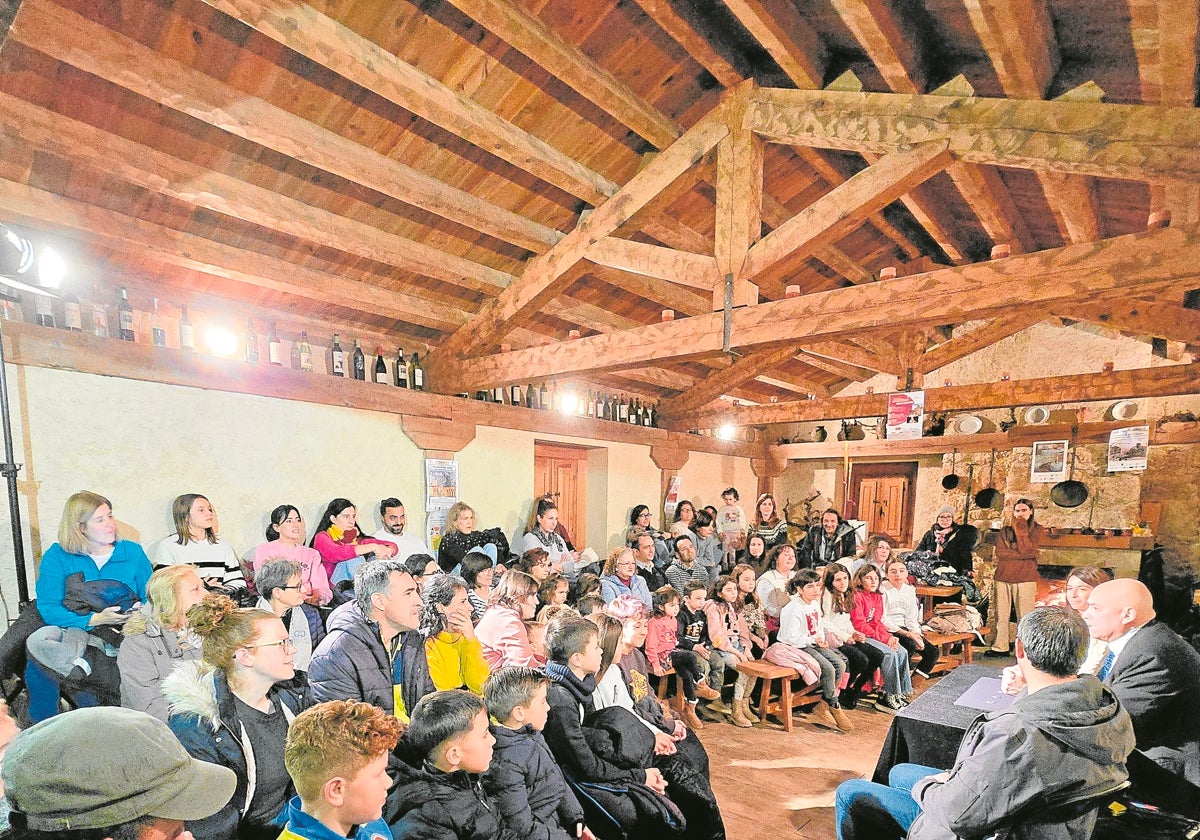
1152	671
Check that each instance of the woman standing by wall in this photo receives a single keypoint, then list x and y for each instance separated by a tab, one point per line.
1016	555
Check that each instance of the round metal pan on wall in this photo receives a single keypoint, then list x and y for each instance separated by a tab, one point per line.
1070	493
989	496
949	482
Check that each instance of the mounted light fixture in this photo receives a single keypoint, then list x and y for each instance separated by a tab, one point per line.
727	431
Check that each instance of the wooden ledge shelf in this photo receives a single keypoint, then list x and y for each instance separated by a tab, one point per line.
48	347
1094	541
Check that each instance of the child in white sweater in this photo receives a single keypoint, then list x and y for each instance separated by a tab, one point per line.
801	625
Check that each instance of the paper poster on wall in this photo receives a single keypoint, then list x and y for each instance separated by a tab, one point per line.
441	484
1128	448
435	526
672	500
1049	462
905	415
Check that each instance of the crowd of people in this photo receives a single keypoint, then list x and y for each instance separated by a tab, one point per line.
481	692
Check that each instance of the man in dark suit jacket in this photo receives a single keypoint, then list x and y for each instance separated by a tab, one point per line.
1152	671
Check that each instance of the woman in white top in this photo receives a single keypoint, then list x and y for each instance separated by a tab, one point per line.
541	532
771	588
902	616
1080	582
195	541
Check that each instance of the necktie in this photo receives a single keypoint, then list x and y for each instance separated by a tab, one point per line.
1106	665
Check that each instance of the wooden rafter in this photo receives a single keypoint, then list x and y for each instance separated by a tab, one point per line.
1147	318
888	42
739	190
782	32
683	267
839	369
851	354
981	336
948	295
1136	142
1162	381
741	371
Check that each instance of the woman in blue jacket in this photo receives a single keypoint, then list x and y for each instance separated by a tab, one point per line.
621	578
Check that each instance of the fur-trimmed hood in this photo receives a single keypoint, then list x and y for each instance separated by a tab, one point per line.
191	690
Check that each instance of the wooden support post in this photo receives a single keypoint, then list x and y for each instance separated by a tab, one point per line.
670	461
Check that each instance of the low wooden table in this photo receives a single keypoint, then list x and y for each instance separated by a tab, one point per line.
928	593
768	672
948	661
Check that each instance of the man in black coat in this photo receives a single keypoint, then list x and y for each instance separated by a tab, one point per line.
1152	671
826	543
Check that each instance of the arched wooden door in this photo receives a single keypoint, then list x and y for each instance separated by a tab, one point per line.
561	472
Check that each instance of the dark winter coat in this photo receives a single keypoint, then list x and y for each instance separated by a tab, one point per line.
809	553
528	786
427	804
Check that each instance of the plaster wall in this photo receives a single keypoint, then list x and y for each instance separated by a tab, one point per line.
705	475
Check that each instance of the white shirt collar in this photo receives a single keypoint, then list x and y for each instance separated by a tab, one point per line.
1118	644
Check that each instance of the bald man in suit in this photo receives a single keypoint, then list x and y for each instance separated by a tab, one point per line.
1152	671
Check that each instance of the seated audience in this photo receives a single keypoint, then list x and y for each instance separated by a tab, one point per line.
684	571
752	611
393	530
729	644
374	651
281	592
621	578
285	541
650	567
233	708
1152	671
461	536
639	524
422	567
454	655
523	779
59	780
338	540
1063	741
437	794
589	605
195	542
709	550
477	571
1080	582
754	554
504	638
952	543
827	542
771	588
802	626
337	757
867	618
586	584
553	592
767	522
541	531
663	654
158	637
536	563
877	551
837	605
902	616
87	584
681	523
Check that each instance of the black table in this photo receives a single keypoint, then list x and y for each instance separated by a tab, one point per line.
930	729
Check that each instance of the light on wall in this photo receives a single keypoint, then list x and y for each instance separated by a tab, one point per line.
220	341
727	431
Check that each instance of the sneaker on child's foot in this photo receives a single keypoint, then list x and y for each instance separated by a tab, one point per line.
889	703
921	673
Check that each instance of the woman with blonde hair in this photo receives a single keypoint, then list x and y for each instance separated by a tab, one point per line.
196	542
501	631
877	551
157	638
233	707
461	535
620	577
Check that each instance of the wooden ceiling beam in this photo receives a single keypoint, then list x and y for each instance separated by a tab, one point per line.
106	54
198	186
166	246
669	294
948	295
1168	380
926	216
992	203
840	369
841	210
738	223
784	34
663	13
328	43
982	336
889	42
1136	142
683	267
543	274
743	370
842	351
1158	320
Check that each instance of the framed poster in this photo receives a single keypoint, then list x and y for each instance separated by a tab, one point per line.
1049	462
906	413
441	484
1128	448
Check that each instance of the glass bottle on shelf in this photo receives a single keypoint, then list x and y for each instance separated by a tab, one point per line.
124	317
187	335
158	336
544	398
497	395
623	410
514	395
359	362
337	361
306	361
401	372
531	397
274	347
72	313
251	342
416	373
99	314
43	310
381	375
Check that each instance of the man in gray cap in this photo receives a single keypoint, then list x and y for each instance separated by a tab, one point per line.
108	772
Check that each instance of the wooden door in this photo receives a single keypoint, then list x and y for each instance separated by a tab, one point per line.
561	473
886	499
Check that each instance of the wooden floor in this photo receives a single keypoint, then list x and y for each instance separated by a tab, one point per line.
771	784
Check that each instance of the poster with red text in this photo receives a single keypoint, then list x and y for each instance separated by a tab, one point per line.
906	414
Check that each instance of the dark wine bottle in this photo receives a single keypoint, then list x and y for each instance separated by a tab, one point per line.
401	371
380	367
337	358
72	313
359	362
531	397
416	373
158	336
124	317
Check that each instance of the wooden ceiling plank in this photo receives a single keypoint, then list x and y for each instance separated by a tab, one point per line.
1167	380
527	33
842	369
841	351
998	214
200	187
1159	320
784	34
947	295
82	43
887	41
92	224
693	43
683	267
841	210
543	273
743	370
1137	142
327	42
982	336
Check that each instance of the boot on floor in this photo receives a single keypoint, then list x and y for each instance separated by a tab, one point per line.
822	715
689	717
843	720
704	691
720	706
741	714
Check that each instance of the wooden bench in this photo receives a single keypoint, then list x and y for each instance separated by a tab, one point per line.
768	672
664	682
948	661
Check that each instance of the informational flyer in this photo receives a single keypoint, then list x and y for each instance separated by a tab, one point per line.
435	526
441	484
1128	449
672	500
1049	462
905	415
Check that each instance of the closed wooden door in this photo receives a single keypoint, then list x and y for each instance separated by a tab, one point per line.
561	473
885	499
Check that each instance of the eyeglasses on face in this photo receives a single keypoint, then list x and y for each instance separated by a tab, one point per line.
283	643
297	587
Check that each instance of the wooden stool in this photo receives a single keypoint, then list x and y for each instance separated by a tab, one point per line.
664	680
947	661
768	672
